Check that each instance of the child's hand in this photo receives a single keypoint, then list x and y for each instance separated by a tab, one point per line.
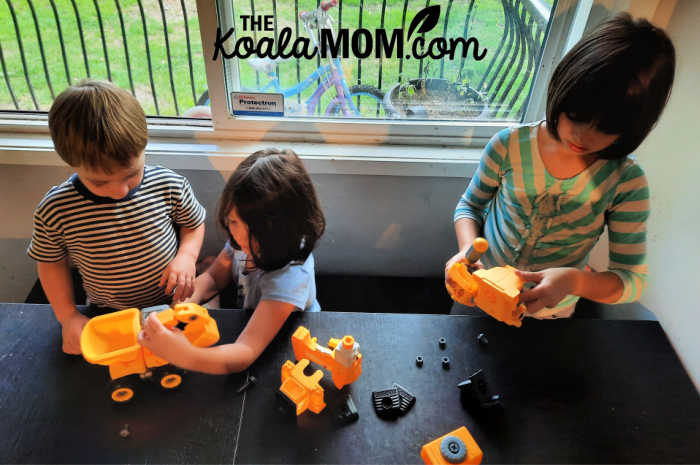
551	286
171	345
460	258
71	328
179	275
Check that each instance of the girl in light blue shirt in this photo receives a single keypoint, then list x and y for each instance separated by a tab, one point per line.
270	210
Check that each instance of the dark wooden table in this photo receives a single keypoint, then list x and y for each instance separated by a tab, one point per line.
573	391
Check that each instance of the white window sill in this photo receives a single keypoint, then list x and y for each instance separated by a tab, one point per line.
201	148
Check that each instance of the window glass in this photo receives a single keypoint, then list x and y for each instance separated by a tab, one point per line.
472	60
152	48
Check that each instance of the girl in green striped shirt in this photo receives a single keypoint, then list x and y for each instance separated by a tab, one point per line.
544	192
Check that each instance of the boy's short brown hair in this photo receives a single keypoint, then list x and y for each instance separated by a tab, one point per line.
97	125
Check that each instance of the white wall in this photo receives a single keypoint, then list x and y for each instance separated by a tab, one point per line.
672	163
376	225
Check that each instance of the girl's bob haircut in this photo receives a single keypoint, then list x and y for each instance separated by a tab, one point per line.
618	78
273	194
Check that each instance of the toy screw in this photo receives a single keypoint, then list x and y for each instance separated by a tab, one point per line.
476	250
250	380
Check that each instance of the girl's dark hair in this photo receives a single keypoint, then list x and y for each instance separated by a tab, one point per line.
273	194
618	78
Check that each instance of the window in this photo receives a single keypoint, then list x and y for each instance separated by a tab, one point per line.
385	59
399	71
421	72
152	48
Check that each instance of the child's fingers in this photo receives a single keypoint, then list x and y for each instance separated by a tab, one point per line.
181	288
153	324
530	276
188	289
71	347
532	294
164	277
172	282
534	305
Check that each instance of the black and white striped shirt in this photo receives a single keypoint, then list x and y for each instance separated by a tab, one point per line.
120	247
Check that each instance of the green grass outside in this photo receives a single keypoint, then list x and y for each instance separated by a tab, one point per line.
486	24
96	59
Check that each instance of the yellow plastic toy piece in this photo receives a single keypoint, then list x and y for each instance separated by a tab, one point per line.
303	390
342	357
455	447
111	340
496	290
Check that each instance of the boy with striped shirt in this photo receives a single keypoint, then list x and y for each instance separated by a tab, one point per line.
133	231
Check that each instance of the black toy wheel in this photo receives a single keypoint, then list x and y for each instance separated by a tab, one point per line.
453	449
121	391
168	377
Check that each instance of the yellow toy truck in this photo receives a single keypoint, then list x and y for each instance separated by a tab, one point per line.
111	340
496	290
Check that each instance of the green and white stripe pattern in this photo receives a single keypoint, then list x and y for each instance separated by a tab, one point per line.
534	221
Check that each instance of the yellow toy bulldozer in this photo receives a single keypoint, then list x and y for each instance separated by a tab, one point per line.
111	340
496	290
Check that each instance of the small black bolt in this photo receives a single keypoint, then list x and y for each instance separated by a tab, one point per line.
419	361
482	339
250	380
442	342
446	363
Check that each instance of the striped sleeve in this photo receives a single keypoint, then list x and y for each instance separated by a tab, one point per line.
484	183
188	213
47	243
627	232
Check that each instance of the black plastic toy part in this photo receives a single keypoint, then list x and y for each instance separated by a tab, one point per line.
250	380
446	363
406	399
475	390
347	413
419	360
387	402
393	402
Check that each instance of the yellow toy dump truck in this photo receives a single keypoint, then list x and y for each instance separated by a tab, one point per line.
111	340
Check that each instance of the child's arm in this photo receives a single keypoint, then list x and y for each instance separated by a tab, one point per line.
58	286
264	324
213	280
180	272
627	275
469	213
553	284
467	230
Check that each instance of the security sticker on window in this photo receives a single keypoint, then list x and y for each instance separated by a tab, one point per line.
257	104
